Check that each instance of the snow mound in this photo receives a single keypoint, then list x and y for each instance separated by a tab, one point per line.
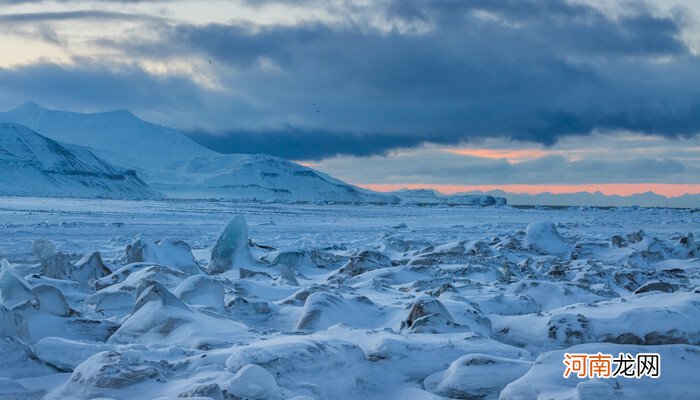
651	318
255	383
544	238
551	295
322	310
545	379
158	316
297	360
171	253
106	372
66	354
476	376
419	355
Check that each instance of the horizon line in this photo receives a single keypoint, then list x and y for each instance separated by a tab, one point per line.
668	190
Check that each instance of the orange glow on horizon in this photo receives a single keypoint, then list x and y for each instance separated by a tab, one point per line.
510	155
307	164
620	189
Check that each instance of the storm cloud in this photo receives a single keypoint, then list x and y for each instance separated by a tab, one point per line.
446	72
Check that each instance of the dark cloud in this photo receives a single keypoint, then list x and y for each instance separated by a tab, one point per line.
440	72
300	144
99	88
91	15
6	2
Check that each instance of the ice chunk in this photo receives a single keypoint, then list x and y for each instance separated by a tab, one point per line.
88	268
18	361
367	260
429	315
290	258
660	286
43	249
12	324
51	300
231	248
55	264
155	292
544	238
111	302
247	274
14	289
129	277
210	391
203	291
287	276
103	372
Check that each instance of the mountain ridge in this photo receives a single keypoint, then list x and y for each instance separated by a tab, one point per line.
173	164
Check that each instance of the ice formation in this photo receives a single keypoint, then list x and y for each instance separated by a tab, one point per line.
343	302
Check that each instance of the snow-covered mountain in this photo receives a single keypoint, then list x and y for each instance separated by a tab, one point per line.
31	164
176	166
117	136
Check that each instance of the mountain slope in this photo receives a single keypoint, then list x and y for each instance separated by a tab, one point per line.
173	164
31	164
119	136
266	178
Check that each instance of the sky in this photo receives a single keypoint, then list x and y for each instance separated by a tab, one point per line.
522	95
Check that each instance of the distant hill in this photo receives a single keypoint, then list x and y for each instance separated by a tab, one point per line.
597	199
431	196
31	165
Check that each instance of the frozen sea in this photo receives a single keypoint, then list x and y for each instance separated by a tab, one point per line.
341	301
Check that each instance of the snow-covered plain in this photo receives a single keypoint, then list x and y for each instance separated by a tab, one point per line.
214	299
